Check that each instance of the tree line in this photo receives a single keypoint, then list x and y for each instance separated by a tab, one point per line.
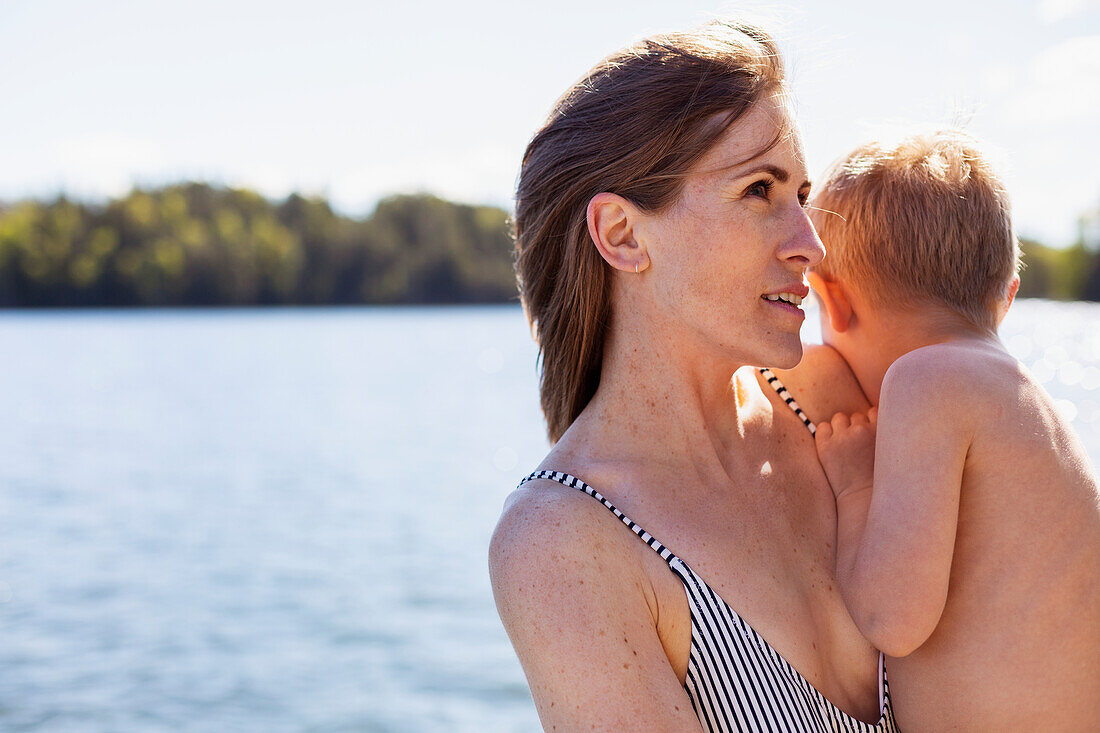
194	244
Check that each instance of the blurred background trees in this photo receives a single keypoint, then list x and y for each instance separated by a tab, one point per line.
196	244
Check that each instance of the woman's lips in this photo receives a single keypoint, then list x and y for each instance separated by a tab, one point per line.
786	307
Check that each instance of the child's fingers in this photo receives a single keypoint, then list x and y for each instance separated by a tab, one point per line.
872	415
858	418
840	421
824	431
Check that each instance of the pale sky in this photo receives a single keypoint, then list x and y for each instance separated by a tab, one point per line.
356	100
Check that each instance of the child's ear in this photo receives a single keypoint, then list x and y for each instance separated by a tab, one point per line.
834	299
1013	288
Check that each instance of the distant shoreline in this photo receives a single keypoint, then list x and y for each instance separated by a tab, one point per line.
193	245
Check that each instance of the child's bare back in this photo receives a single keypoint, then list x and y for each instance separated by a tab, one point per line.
978	566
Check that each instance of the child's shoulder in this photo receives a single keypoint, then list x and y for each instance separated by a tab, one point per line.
823	384
957	374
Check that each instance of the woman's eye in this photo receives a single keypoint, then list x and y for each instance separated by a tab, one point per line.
761	189
804	200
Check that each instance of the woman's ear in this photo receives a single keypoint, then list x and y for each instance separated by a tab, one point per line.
611	221
834	299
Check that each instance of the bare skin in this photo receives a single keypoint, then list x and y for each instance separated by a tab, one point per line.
968	529
716	467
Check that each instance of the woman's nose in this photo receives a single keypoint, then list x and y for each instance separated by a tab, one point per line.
803	246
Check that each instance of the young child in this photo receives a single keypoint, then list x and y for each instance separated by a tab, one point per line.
968	545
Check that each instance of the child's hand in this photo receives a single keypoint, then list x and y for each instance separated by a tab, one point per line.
846	448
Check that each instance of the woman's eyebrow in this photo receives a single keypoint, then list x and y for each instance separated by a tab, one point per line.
780	174
732	172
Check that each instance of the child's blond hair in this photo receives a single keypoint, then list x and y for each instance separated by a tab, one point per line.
925	219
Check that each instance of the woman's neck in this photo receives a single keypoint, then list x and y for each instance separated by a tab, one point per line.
657	396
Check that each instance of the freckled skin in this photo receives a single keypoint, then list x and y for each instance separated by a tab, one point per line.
675	437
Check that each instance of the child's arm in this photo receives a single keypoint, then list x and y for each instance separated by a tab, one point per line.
897	501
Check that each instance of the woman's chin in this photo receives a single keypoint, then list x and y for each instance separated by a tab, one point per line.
785	355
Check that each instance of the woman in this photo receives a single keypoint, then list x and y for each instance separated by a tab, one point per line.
663	245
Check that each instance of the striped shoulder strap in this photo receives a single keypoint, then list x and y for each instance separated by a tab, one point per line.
786	397
573	482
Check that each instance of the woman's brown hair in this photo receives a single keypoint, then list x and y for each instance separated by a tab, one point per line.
633	126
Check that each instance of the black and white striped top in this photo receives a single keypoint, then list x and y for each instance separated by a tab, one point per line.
786	397
736	681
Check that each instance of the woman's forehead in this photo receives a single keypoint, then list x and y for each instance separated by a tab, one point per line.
766	131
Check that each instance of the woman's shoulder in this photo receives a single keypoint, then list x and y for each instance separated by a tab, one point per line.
548	528
540	505
555	548
823	384
574	596
550	505
543	514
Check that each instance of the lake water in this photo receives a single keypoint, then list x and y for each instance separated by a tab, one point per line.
277	520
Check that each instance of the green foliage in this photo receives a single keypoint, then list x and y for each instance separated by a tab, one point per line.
195	244
1058	274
